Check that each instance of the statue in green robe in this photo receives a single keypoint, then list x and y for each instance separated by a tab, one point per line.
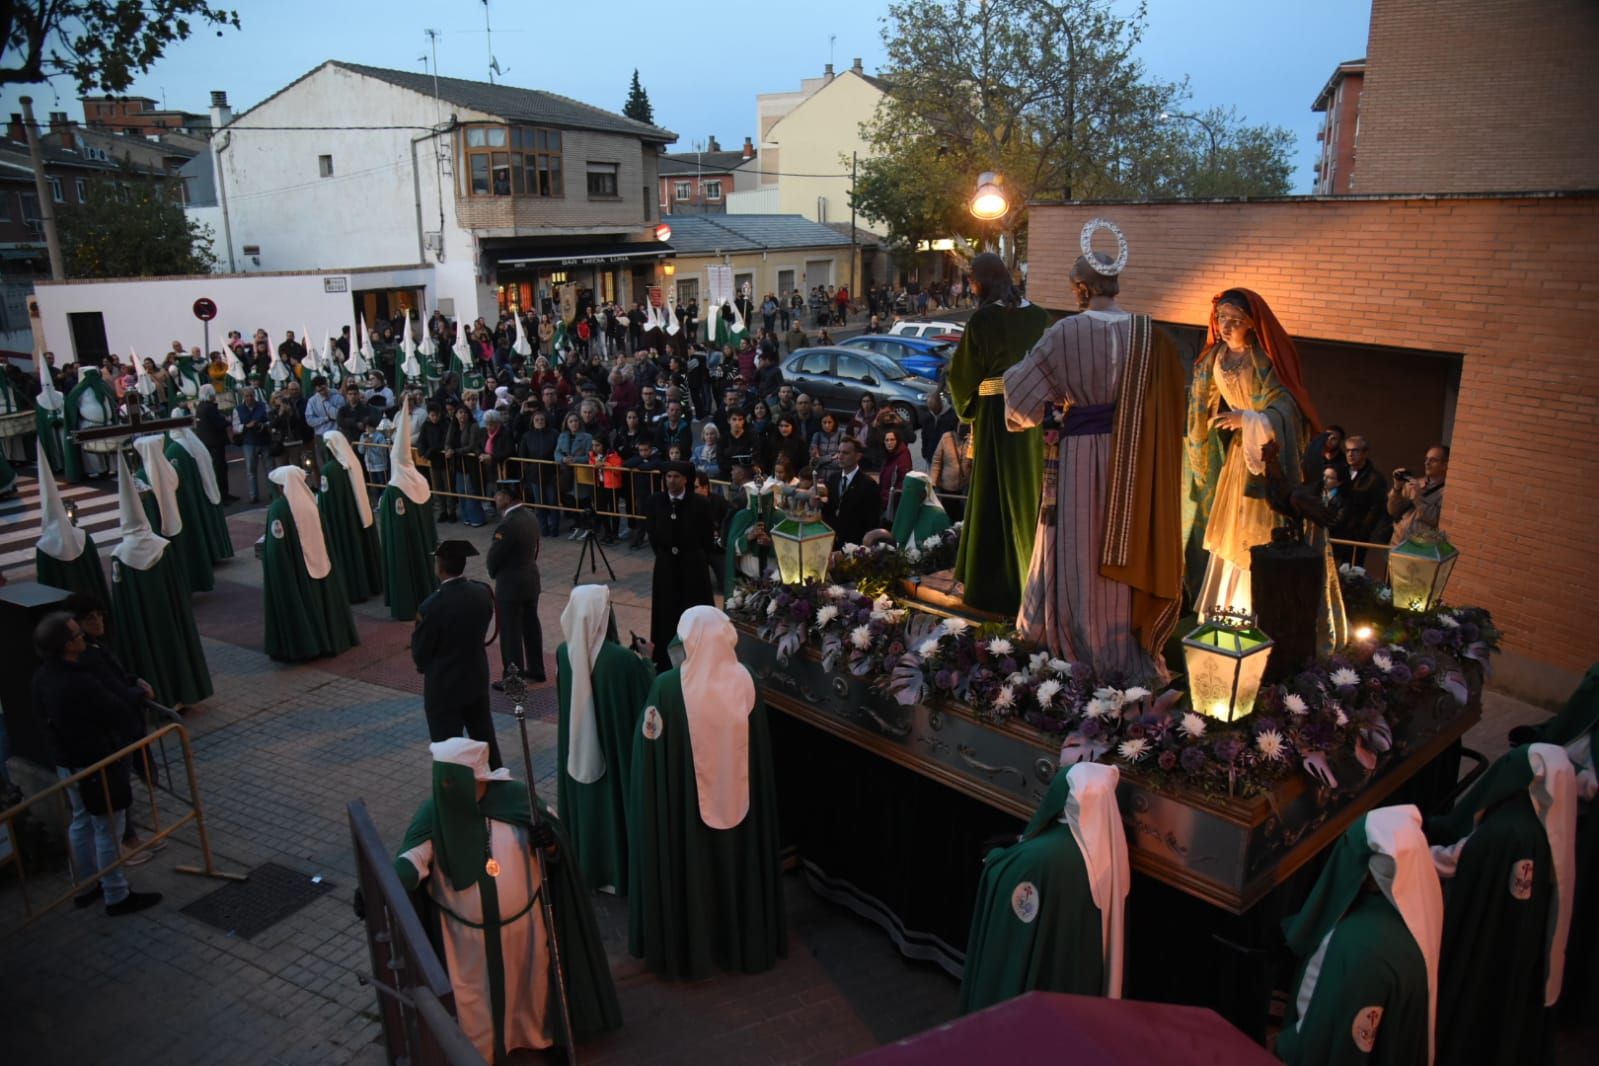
1007	468
307	613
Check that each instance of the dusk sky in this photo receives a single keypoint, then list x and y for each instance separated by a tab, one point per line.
1266	58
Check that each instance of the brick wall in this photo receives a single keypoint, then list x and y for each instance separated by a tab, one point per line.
1480	96
1508	283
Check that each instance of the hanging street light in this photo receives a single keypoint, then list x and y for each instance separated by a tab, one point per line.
989	202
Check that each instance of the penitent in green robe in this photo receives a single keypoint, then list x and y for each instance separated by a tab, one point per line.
1035	925
699	899
357	558
82	575
156	637
197	509
187	547
596	813
1007	468
408	536
916	519
306	617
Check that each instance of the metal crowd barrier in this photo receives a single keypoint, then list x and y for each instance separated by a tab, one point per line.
195	815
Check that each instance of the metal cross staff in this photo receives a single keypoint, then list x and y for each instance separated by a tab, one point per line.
516	688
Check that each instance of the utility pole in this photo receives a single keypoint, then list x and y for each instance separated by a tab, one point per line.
854	252
47	212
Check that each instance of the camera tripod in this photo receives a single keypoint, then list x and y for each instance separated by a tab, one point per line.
591	548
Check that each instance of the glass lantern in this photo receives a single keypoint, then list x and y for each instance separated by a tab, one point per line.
1419	568
802	541
1226	659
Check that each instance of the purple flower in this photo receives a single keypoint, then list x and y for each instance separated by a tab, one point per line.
1264	722
1193	759
1318	735
944	679
1007	666
1400	674
1469	631
1167	760
800	610
1135	731
1424	665
1227	748
1432	637
895	650
1090	728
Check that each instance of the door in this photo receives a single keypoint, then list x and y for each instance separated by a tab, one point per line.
785	282
818	272
89	345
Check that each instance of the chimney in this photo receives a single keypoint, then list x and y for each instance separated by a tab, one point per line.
857	68
827	75
221	113
14	129
749	149
61	129
711	144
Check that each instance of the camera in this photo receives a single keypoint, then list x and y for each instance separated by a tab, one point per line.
1401	476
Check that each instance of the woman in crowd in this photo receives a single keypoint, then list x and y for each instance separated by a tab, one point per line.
896	464
951	470
539	477
788	443
708	458
572	449
824	446
497	448
860	426
761	419
463	444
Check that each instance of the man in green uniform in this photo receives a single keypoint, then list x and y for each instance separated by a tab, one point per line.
1049	912
1007	468
156	636
307	613
703	877
469	852
920	513
65	557
1366	946
1508	856
601	687
347	515
199	495
91	403
405	528
165	506
449	648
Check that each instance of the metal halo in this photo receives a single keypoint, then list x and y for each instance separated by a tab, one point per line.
1086	243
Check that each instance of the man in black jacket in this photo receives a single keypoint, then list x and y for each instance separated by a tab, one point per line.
853	502
450	652
683	533
88	721
514	566
1365	498
429	442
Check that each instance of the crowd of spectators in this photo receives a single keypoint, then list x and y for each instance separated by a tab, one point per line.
1363	504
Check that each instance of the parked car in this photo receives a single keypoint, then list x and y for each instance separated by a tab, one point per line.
935	329
837	377
925	357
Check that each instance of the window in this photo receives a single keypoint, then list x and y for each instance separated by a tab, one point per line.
602	181
815	363
512	161
688	291
83	190
785	282
324	165
852	369
55	191
30	207
713	189
682	190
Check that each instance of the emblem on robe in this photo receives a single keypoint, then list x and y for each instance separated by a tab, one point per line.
277	529
399	506
116	571
652	723
324	483
1521	880
1367	1019
1024	901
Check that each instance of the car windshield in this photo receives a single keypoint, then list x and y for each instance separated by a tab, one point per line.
890	370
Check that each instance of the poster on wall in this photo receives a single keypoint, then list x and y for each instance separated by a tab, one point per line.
568	303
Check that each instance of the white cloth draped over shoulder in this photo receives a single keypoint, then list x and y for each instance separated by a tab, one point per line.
340	448
583	624
141	548
718	697
190	442
403	473
1096	825
307	519
162	477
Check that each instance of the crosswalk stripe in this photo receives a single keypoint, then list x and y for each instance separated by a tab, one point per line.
20	518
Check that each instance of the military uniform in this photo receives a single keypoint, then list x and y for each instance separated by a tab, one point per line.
447	647
513	564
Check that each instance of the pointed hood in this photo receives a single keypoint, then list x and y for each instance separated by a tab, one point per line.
463	348
583	624
313	358
332	365
672	326
307	520
425	346
58	537
140	548
408	363
521	347
1096	825
48	397
162	477
403	473
189	440
368	354
143	381
718	696
338	445
236	369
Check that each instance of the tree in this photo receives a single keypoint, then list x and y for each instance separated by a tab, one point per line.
133	226
101	44
1047	94
638	106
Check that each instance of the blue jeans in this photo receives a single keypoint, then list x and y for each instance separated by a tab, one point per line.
471	509
549	520
94	839
255	458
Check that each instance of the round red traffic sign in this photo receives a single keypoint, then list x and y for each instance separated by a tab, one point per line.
205	310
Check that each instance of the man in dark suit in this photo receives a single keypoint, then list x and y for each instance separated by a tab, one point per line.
682	532
853	502
448	648
514	566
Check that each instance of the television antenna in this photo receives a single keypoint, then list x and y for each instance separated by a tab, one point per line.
488	35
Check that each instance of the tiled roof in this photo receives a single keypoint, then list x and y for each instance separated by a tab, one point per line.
702	234
702	163
516	105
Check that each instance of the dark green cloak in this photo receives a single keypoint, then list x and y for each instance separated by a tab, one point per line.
408	536
742	522
82	575
8	477
187	548
357	558
197	509
699	899
156	637
51	428
306	618
596	813
1006	486
915	517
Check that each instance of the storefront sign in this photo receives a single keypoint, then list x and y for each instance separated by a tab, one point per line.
335	284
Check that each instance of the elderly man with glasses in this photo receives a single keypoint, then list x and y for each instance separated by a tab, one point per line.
1365	502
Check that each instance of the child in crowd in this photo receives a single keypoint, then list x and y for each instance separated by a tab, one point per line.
375	450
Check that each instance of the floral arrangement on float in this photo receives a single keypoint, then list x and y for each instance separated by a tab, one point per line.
1348	707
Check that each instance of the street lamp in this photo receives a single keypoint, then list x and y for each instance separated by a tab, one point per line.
989	202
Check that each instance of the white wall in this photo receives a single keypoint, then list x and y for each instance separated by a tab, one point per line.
148	314
754	202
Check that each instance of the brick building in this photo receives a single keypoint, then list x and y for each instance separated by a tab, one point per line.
1339	99
699	183
140	115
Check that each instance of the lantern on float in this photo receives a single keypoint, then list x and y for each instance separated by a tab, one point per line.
1226	659
1419	568
802	541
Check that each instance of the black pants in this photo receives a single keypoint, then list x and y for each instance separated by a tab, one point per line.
472	718
521	639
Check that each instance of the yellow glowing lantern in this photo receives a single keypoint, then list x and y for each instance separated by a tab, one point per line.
802	541
1226	659
1419	568
989	202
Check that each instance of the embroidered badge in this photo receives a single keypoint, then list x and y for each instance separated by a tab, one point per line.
1024	901
652	723
324	484
399	505
1367	1019
277	529
116	571
1521	880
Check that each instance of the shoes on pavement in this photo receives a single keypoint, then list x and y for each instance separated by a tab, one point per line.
86	899
133	903
138	858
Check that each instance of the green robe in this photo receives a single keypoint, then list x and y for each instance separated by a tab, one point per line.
1046	936
51	428
596	813
739	525
187	548
198	510
72	453
408	536
306	617
916	518
1007	468
699	899
8	477
82	575
357	558
591	996
156	637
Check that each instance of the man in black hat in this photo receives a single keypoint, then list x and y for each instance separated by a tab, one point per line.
513	564
449	648
683	534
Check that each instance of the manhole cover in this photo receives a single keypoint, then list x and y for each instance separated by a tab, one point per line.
245	908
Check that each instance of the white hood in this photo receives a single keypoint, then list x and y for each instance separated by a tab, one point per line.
307	520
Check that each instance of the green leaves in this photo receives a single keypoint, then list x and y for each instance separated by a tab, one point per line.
101	44
133	226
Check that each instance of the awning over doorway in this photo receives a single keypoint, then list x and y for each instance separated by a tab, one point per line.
591	254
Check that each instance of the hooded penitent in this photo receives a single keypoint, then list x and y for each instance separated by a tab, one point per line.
66	556
165	507
406	530
307	613
347	514
49	421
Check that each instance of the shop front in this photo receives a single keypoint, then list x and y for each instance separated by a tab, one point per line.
530	279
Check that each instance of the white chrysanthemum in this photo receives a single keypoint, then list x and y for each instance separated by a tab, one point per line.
1016	677
883	616
735	601
1004	698
1133	750
1109	695
851	549
1342	719
1384	662
1447	620
771	608
999	646
913	555
837	592
1061	667
1036	662
1296	703
1134	694
825	614
1344	677
1193	725
1343	568
1270	743
882	603
1047	692
861	637
1385	594
955	624
1099	708
927	648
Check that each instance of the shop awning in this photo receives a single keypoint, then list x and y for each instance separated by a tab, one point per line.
591	254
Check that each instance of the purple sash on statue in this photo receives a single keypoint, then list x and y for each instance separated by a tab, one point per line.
1089	420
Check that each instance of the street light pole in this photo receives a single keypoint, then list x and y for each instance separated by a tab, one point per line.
854	252
47	214
1204	125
